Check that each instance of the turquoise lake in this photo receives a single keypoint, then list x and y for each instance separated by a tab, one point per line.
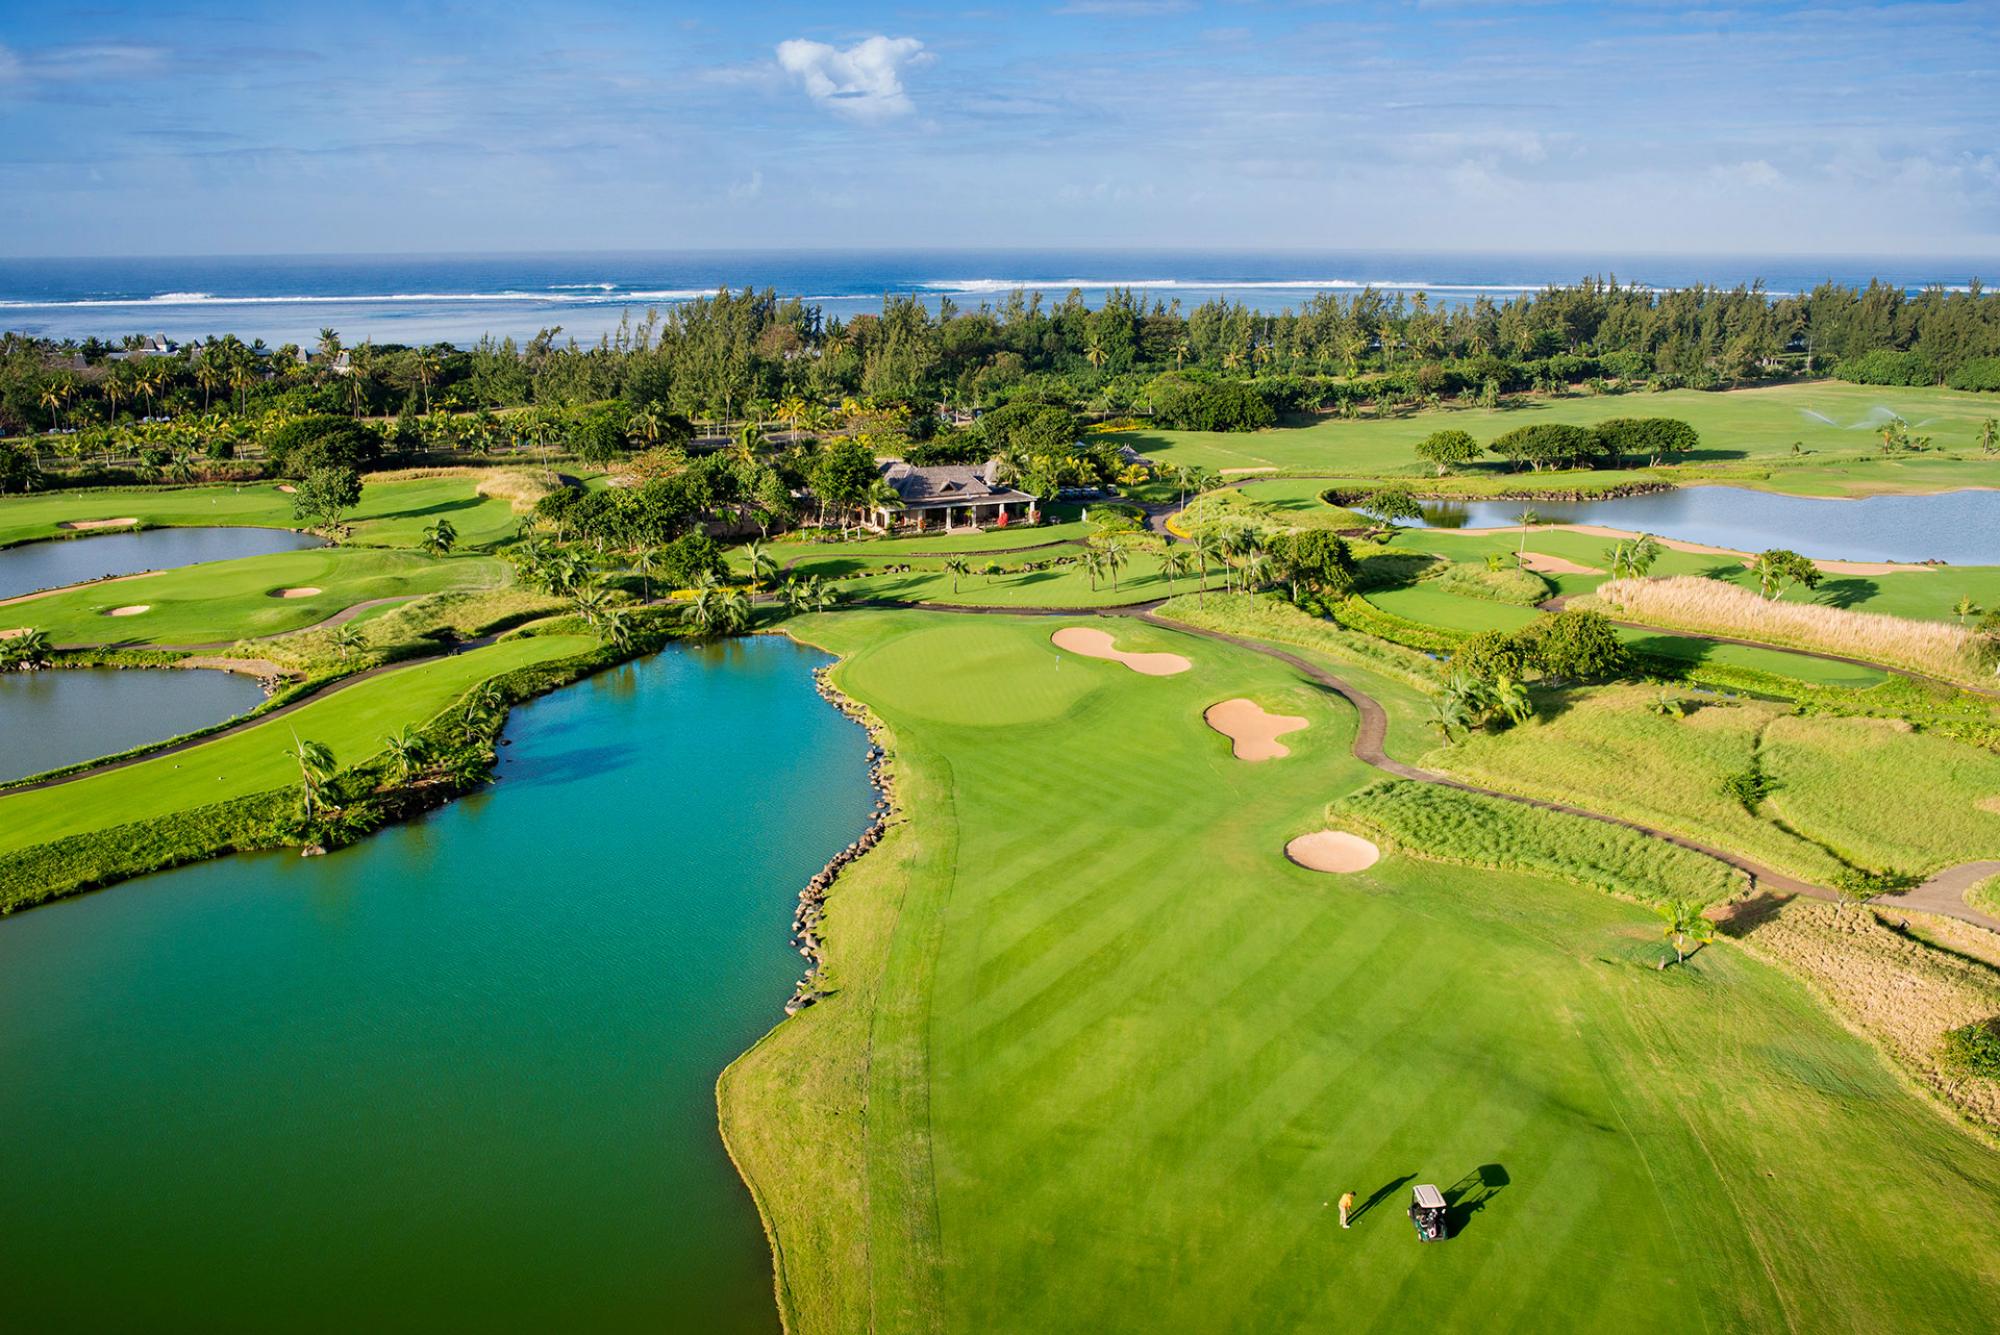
458	1077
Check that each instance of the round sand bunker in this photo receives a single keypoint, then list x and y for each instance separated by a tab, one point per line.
1097	644
1333	850
1253	734
304	591
131	611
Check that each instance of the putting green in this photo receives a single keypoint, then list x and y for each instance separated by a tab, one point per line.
1100	1059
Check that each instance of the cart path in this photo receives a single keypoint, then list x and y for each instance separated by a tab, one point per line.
249	720
1942	894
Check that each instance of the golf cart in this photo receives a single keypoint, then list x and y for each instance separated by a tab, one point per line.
1427	1213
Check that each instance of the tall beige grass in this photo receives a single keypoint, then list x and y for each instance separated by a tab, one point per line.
1690	602
519	489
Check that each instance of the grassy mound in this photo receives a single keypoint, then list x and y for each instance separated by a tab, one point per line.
1453	826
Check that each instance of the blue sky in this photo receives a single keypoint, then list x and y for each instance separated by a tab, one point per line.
184	127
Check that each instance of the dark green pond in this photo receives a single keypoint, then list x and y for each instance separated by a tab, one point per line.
459	1077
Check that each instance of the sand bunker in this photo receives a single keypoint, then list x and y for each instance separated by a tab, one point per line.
304	591
287	488
1253	733
131	611
1333	850
1991	804
1097	644
1544	564
18	630
78	525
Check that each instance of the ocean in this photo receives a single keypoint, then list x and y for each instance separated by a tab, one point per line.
459	298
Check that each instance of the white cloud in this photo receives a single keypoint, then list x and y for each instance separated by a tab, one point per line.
864	82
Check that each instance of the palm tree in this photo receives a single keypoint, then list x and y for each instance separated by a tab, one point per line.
348	639
808	595
1683	922
427	364
1257	568
1115	559
440	538
1181	351
1093	566
1510	697
1527	519
616	628
792	411
1093	353
316	770
736	609
1448	713
407	751
704	612
957	568
645	562
24	648
1174	563
1206	548
882	496
1965	609
484	704
763	570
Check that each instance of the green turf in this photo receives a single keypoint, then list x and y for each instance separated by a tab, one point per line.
1454	611
393	513
1746	435
352	722
1101	1059
1843	789
223	601
1066	586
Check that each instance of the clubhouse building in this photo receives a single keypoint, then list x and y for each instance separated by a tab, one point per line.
950	498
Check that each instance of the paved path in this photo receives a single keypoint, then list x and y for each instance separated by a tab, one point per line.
1942	894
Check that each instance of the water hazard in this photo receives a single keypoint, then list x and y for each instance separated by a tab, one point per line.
56	718
460	1076
34	566
1960	527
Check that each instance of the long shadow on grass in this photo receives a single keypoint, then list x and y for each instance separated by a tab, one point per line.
1381	1194
1470	1194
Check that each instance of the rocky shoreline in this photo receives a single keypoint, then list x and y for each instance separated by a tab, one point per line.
812	900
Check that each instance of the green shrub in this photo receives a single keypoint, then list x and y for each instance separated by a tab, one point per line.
1181	404
307	444
1980	373
1546	445
1648	438
1507	584
1974	1049
1885	367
